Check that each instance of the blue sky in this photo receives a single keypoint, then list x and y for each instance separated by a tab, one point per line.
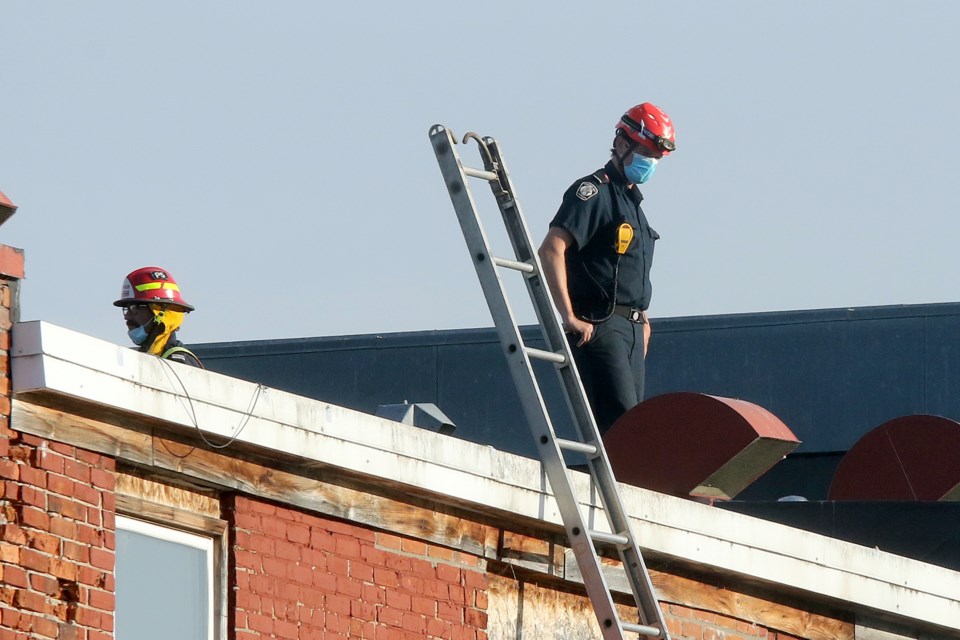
274	156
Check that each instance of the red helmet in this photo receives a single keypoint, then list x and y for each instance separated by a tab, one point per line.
151	284
648	126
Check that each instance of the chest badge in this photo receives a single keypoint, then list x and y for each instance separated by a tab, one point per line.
587	190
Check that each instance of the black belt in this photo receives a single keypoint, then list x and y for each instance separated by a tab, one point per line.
631	314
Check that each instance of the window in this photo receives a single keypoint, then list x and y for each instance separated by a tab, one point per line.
165	583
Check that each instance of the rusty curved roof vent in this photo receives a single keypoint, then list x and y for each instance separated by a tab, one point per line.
911	458
692	444
7	208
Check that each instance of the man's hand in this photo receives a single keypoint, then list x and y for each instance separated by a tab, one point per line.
580	328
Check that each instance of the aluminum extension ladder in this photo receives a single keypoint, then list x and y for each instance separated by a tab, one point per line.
519	357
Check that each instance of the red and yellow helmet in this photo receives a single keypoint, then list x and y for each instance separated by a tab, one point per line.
648	126
151	285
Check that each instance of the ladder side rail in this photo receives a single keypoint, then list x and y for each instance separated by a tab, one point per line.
539	291
521	370
575	396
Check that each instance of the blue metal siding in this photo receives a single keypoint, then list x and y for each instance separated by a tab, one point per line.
830	375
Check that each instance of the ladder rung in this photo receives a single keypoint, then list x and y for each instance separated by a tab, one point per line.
489	176
612	538
642	629
573	445
526	267
549	356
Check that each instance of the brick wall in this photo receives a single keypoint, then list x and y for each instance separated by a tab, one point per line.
307	577
56	518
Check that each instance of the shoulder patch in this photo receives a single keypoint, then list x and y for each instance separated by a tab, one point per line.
587	190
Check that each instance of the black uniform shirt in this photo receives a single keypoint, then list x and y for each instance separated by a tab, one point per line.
592	210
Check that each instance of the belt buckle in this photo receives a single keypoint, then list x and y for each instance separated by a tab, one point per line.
635	315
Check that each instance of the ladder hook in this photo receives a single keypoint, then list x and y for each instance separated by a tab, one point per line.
488	157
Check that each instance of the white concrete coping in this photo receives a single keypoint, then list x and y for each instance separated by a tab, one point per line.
53	359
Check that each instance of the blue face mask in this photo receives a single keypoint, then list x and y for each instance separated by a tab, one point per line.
138	335
640	169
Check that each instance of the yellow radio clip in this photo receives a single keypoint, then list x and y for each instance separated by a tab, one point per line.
624	238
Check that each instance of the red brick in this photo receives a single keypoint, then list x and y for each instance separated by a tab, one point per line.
48	460
424	606
389	616
89	535
103	479
15	576
449	612
348	587
422	568
34	561
298	533
262	545
76	470
13	534
286	550
34	497
248	521
389	541
43	542
9	469
257	622
30	601
361	571
691	629
33	476
386	578
448	573
274	567
399	600
36	518
325	581
284	629
102	559
62	527
373	556
433	589
61	485
474	618
363	610
64	569
66	507
322	540
475	579
413	622
9	553
347	547
373	594
338	566
413	546
44	584
440	553
77	552
101	600
87	494
438	628
44	627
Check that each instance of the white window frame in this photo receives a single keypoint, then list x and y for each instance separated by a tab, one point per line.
201	541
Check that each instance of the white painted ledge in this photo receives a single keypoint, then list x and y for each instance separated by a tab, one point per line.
50	359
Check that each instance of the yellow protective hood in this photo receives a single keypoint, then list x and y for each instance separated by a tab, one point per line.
170	321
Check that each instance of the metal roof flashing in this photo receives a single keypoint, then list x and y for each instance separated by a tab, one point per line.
51	363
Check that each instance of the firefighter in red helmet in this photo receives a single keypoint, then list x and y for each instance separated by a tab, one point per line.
597	257
153	310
